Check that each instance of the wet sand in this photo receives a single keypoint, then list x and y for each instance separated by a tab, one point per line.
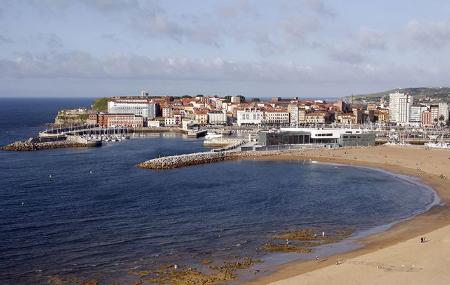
395	256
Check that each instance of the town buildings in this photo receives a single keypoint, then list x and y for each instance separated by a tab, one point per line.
276	112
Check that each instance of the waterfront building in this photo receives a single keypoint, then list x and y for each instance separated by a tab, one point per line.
443	110
217	118
426	119
400	107
347	118
249	116
109	120
293	136
201	117
416	113
317	118
302	116
167	111
293	110
276	117
173	121
144	107
153	124
439	110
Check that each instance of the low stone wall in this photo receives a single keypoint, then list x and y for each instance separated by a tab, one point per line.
34	144
176	161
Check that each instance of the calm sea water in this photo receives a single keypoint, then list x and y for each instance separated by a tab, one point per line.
99	216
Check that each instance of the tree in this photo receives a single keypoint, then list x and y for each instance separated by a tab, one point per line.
186	96
242	98
441	120
256	100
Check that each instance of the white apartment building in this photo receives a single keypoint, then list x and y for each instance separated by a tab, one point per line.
235	99
400	107
416	113
173	121
275	117
249	116
293	114
167	111
217	118
139	107
443	111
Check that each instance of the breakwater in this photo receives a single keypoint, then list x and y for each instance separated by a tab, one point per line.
183	160
34	144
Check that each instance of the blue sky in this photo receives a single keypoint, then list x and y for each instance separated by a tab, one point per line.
261	48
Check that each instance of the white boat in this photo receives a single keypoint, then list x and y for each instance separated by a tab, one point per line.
210	136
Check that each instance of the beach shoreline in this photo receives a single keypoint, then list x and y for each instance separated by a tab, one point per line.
431	167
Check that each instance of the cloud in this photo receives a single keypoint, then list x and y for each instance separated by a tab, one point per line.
112	5
346	56
118	66
110	37
319	7
5	40
51	40
435	35
237	8
298	28
82	65
371	39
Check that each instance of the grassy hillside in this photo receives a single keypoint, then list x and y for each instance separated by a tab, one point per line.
421	94
100	104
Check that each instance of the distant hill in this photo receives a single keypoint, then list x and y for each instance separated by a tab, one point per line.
421	94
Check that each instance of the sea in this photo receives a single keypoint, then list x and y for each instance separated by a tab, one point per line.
82	214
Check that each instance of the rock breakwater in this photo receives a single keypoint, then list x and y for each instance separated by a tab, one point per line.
34	144
177	161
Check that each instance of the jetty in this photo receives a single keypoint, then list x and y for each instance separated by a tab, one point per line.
33	144
196	134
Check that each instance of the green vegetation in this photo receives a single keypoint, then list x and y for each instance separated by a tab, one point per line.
100	104
242	98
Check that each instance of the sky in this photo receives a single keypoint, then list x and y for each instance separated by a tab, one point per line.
260	48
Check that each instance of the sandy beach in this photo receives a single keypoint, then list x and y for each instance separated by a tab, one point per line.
393	257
